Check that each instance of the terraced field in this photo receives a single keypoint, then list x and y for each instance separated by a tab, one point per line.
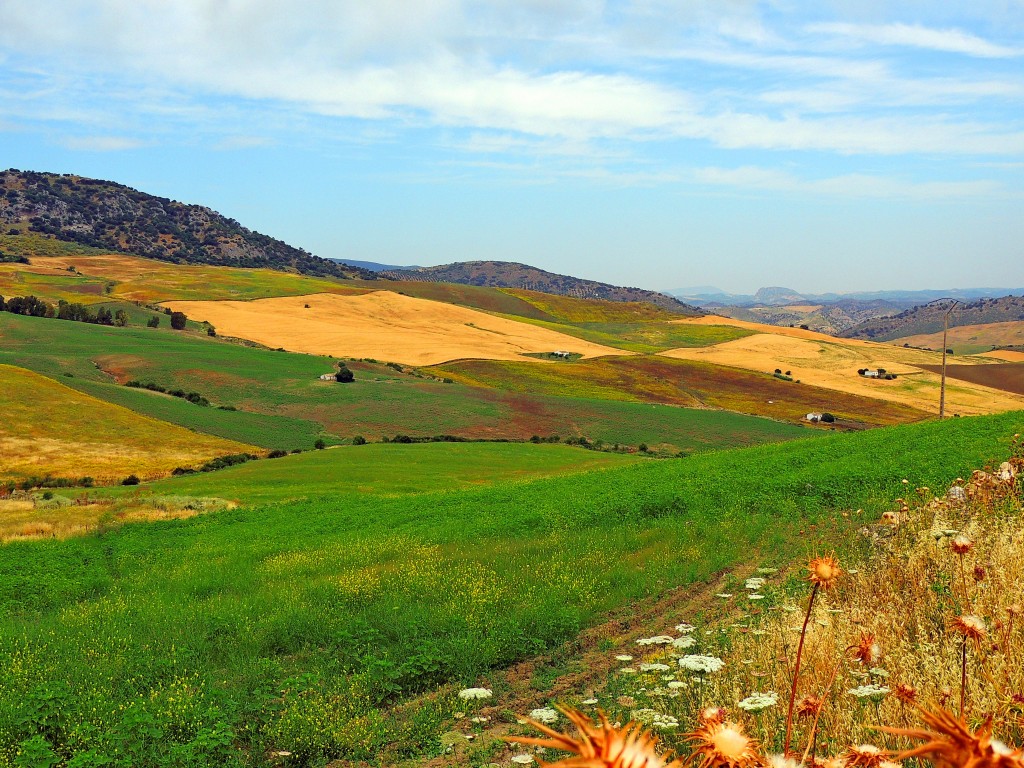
661	379
49	429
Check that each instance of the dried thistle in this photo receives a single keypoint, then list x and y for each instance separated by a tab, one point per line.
950	743
724	745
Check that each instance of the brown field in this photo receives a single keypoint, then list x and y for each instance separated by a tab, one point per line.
1008	377
832	363
971	338
384	326
50	429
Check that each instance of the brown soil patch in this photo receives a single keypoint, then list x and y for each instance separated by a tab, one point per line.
1008	377
832	363
382	325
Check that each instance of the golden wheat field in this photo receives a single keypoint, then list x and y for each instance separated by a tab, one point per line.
382	325
1007	334
825	361
50	429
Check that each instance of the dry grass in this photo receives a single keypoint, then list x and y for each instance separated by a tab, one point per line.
832	363
383	325
71	513
918	646
987	335
50	429
1009	355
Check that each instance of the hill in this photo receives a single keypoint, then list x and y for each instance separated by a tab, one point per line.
107	215
510	274
971	339
928	318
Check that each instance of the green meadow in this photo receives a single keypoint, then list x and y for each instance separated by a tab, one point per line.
341	626
377	469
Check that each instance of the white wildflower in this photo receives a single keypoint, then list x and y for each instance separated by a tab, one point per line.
724	595
686	641
545	715
588	702
523	759
475	693
755	596
684	628
872	692
623	657
654	667
656	640
702	664
754	583
756	702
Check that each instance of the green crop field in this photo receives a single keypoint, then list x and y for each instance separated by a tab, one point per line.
668	380
379	469
307	627
282	403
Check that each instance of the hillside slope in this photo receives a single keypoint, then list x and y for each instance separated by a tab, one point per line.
510	274
104	214
928	318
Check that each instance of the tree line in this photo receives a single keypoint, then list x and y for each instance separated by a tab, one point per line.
32	306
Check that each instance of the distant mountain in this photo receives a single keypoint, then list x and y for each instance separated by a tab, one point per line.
929	318
508	274
373	266
104	214
777	296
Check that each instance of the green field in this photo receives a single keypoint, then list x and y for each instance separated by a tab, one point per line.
378	469
282	403
304	627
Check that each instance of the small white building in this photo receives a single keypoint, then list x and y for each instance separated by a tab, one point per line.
329	377
562	354
871	373
813	417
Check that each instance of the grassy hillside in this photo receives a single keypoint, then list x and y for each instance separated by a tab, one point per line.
51	430
303	627
378	469
282	403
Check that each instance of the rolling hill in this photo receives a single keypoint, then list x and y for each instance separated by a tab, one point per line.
508	274
107	215
928	318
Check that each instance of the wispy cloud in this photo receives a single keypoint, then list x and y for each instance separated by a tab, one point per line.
101	143
916	36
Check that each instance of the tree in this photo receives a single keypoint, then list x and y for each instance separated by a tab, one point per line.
319	445
121	318
358	440
210	330
178	320
344	375
153	322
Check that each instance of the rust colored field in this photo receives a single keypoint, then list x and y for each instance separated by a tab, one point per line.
382	325
147	280
50	429
658	379
972	337
1008	377
823	361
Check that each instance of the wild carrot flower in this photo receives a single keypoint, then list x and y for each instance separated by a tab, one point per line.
755	702
721	744
475	693
600	745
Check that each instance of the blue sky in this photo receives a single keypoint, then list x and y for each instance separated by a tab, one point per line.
822	146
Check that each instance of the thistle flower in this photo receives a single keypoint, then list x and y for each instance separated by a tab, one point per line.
824	571
950	743
971	627
723	744
867	650
961	545
863	756
712	715
600	745
808	706
905	693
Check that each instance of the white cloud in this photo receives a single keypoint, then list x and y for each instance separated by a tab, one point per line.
848	185
100	143
916	36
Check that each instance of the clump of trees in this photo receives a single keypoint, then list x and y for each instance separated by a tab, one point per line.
192	397
32	306
344	374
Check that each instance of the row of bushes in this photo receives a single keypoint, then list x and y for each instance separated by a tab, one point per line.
192	397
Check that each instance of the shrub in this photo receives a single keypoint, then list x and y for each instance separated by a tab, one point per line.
358	440
319	445
828	418
131	480
277	454
153	322
178	321
344	376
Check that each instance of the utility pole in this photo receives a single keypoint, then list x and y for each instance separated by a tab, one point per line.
942	385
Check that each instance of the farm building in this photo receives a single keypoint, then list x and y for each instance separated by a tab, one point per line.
813	417
561	353
329	377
